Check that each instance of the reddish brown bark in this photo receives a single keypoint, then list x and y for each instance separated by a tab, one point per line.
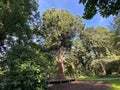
60	66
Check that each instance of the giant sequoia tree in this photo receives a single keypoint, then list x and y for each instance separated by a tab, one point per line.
58	28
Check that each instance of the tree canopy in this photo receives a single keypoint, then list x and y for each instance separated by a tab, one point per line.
59	27
104	7
16	18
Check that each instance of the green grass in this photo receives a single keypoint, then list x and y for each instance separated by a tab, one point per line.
115	81
115	84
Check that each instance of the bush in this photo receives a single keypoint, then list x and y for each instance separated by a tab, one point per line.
113	66
25	69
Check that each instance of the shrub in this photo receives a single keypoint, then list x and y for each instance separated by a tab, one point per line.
25	68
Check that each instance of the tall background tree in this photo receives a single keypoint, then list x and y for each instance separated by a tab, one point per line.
92	44
98	42
116	36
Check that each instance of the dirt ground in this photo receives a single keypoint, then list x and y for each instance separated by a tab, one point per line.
80	85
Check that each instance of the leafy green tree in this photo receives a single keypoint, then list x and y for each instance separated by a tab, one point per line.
24	69
91	43
98	40
58	28
116	36
82	53
72	65
16	18
104	7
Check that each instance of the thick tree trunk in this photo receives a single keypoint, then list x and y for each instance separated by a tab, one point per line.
60	66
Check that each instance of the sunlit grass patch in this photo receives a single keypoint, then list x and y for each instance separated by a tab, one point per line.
115	84
113	80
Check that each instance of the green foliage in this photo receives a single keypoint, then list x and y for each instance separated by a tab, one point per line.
104	7
111	65
16	18
99	40
115	84
15	15
90	44
116	35
59	27
78	58
25	68
72	65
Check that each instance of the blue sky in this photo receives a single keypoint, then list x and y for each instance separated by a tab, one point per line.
76	9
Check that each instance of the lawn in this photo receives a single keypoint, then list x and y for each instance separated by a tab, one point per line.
115	81
115	84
